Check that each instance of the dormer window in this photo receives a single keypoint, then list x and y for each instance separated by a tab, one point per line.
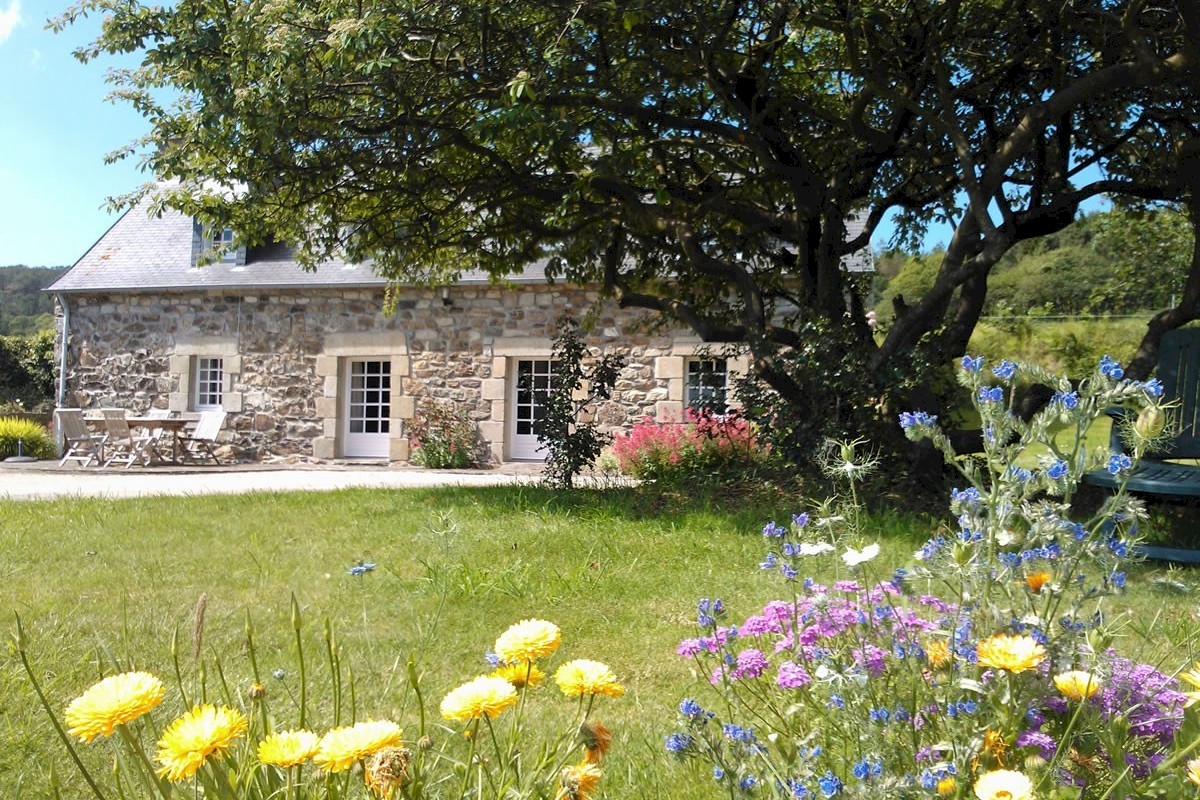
222	242
211	244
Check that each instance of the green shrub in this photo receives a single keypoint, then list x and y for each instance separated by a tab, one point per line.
35	440
27	369
443	436
571	443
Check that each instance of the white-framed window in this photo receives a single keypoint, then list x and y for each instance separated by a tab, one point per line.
208	383
222	242
707	387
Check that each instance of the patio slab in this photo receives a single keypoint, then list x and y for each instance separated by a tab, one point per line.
45	479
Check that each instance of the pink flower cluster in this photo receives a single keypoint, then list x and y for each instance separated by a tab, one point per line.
703	441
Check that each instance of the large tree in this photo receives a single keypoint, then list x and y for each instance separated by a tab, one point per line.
695	157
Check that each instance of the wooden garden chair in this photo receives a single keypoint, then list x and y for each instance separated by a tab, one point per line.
198	445
80	443
123	447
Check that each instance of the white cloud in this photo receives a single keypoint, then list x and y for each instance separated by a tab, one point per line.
9	18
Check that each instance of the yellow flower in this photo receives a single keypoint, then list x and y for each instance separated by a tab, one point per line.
1192	676
116	700
1003	784
484	696
1077	684
1010	653
342	748
947	786
1036	581
938	652
583	676
578	782
993	742
188	741
386	771
597	739
288	748
528	640
1193	771
520	675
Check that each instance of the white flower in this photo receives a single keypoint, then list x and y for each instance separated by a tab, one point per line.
815	549
854	557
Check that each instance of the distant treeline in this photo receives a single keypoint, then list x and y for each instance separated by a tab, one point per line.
1112	262
24	308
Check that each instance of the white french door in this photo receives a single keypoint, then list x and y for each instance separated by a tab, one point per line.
532	381
366	394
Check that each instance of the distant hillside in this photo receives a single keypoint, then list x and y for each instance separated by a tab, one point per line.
24	308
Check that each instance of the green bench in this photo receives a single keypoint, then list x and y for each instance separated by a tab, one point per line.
1179	371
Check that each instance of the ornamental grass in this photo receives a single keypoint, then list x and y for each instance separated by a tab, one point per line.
989	667
251	747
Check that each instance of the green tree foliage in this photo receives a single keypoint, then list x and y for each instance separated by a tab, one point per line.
1150	256
24	308
697	158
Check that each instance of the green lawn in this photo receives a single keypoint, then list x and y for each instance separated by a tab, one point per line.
111	581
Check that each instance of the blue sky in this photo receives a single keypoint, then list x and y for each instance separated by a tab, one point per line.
55	129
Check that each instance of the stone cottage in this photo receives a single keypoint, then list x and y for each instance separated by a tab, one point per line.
307	362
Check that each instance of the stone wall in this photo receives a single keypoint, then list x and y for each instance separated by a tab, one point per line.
282	352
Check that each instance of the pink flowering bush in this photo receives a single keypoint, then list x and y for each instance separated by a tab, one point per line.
985	668
704	444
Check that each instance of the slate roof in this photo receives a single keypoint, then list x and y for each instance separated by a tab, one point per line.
144	253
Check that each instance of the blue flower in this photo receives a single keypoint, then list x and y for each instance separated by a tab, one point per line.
836	701
718	774
1110	368
829	784
680	743
1118	463
1153	387
1119	547
748	783
861	770
1068	400
770	562
970	496
773	531
362	567
798	789
737	733
1019	473
917	419
1005	370
690	708
800	520
789	573
1057	470
493	659
708	611
880	715
972	364
1117	579
991	394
